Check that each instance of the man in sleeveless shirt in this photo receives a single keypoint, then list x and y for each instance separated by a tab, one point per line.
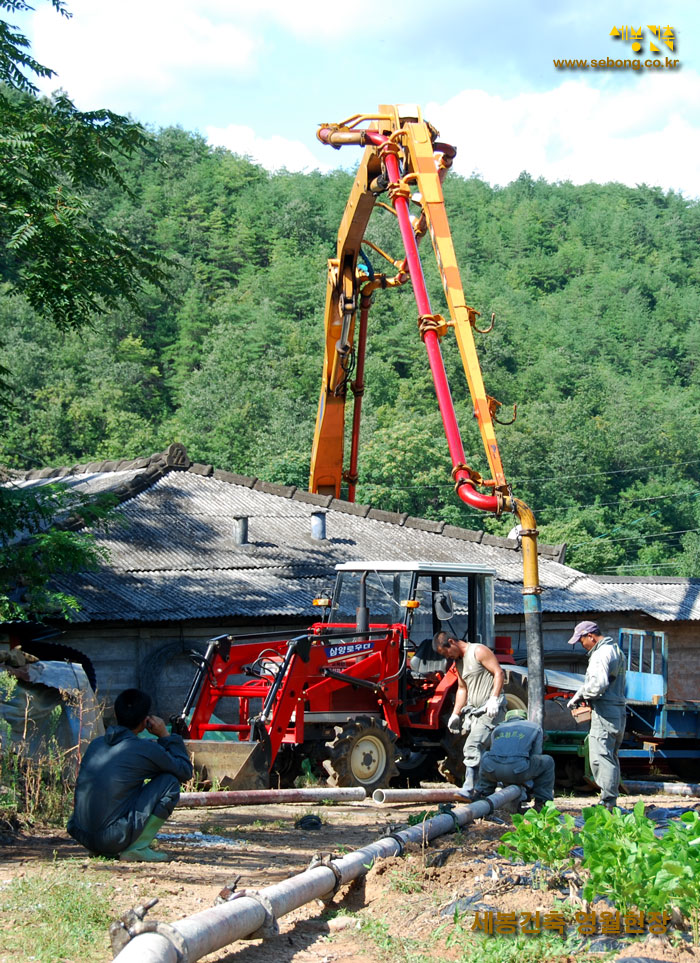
604	690
479	703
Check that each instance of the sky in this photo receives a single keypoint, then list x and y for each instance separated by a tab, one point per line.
259	77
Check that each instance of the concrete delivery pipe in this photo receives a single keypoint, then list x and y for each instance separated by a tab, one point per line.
255	914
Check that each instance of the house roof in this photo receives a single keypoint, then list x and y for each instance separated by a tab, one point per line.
173	555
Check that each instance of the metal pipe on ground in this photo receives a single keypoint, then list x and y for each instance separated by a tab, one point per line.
255	914
258	797
662	788
448	794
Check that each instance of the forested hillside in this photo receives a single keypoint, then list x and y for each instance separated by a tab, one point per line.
596	291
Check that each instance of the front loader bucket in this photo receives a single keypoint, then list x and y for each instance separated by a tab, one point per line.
230	765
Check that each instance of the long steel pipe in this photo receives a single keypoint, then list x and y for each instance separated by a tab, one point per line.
214	928
447	794
662	788
257	797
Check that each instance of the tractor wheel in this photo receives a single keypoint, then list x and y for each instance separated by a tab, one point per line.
451	766
361	754
515	692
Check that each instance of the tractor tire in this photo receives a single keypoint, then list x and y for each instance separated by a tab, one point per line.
362	753
515	692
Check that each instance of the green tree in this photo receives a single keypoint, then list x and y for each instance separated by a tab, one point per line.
58	253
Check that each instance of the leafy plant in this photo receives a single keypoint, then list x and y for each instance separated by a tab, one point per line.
548	836
415	819
632	867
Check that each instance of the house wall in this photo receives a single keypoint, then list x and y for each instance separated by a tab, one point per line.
154	657
683	639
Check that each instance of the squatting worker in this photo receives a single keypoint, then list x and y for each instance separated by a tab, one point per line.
604	689
515	759
117	811
479	704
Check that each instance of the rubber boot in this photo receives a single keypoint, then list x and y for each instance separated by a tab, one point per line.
470	775
140	850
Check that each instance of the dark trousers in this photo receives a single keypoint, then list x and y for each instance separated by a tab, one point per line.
157	798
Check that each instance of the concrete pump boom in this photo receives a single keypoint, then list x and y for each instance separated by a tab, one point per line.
404	159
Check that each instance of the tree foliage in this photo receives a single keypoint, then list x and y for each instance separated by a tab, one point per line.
61	266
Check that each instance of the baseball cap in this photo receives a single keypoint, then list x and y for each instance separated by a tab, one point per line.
583	628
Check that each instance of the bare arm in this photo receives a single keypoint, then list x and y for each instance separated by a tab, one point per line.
461	696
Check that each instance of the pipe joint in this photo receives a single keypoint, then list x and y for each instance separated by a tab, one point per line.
399	840
133	924
399	189
432	322
270	927
325	859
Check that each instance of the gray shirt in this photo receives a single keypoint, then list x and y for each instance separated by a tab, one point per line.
604	684
479	680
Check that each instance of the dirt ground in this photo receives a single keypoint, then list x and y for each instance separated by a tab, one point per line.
412	894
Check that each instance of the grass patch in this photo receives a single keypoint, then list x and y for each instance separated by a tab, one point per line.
56	915
395	948
406	880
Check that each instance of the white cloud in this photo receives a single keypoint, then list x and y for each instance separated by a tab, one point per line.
646	133
109	51
274	152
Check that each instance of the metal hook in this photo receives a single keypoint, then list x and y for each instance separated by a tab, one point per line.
499	422
486	330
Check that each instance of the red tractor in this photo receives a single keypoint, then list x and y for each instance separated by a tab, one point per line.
360	694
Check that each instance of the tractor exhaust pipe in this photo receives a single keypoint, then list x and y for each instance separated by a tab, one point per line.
258	797
255	913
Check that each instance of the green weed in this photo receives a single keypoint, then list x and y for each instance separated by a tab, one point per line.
631	866
394	948
471	947
625	860
406	881
36	786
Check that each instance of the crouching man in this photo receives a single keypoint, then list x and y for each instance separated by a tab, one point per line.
515	759
127	787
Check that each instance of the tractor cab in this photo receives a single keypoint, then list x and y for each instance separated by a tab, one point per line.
424	597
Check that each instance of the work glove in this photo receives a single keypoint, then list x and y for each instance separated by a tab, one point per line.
574	700
492	706
454	723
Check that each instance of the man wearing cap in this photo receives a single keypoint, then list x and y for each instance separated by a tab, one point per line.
604	690
479	703
515	759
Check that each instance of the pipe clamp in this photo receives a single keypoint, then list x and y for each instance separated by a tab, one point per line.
325	859
270	927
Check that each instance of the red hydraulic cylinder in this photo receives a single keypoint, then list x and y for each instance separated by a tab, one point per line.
465	485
